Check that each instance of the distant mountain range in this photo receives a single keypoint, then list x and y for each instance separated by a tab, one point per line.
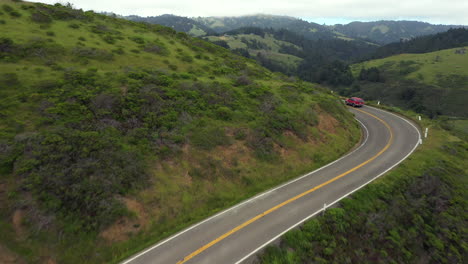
379	32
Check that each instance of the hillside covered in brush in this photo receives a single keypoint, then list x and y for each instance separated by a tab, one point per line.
115	134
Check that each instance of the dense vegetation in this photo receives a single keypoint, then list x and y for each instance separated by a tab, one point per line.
416	213
322	61
453	38
115	134
380	32
309	30
178	23
385	32
433	83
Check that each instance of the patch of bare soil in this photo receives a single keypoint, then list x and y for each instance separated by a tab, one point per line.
327	123
8	257
125	227
17	220
234	153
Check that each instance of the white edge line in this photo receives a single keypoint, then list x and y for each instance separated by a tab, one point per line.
249	200
339	199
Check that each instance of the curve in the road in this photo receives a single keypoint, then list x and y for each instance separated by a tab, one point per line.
260	220
269	211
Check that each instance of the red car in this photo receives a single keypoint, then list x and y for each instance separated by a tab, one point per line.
355	101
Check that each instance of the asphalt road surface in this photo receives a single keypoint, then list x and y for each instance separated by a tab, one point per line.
236	234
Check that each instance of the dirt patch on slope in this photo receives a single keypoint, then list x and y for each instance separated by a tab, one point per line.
327	123
17	220
8	257
127	226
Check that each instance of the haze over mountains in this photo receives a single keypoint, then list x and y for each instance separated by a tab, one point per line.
379	32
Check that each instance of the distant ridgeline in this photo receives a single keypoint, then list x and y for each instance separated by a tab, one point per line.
453	38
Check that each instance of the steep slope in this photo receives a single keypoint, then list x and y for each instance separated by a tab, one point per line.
385	32
115	134
435	83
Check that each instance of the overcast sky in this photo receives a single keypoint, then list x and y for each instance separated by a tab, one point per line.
319	11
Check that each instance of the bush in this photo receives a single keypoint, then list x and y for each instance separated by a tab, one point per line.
157	49
138	40
11	11
79	173
74	26
209	137
92	53
40	17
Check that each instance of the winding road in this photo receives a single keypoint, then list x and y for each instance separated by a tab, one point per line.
236	234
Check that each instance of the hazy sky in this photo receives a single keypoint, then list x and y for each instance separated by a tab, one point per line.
319	11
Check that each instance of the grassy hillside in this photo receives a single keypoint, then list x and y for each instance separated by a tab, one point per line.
115	134
416	213
434	83
429	68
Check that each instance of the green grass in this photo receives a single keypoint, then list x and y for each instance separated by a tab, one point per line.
99	146
429	66
416	211
433	83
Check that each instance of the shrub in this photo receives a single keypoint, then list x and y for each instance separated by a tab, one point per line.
138	40
79	173
74	26
157	49
40	17
186	58
108	39
11	11
209	137
243	80
92	53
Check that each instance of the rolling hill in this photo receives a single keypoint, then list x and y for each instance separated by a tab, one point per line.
435	83
115	134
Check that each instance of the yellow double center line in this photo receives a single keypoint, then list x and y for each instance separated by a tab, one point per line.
271	210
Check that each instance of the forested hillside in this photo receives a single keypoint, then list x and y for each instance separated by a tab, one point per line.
178	23
321	61
115	134
385	32
453	38
308	30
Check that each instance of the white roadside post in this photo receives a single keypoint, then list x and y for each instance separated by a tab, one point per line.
425	133
419	117
324	207
378	102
